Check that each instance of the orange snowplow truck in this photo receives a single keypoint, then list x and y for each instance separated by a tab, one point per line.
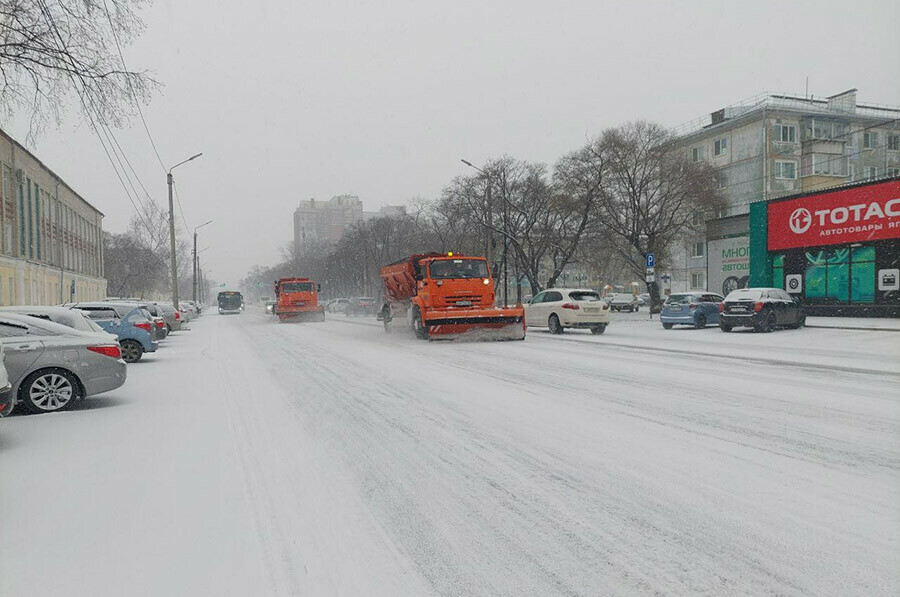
447	296
298	298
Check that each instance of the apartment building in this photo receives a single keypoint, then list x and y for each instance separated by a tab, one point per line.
770	146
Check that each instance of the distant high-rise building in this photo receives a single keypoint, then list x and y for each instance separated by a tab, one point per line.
388	211
320	224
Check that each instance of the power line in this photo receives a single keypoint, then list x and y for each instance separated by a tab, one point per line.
137	104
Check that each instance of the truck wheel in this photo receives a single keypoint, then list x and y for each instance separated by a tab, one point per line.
554	325
418	325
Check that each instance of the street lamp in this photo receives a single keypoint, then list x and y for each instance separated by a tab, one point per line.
194	278
489	252
172	261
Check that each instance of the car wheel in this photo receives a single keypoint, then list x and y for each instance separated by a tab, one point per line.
725	327
49	390
700	322
767	323
554	325
8	407
418	325
598	329
132	351
668	326
801	321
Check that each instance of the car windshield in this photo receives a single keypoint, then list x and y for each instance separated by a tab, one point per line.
585	296
745	294
458	268
680	299
298	287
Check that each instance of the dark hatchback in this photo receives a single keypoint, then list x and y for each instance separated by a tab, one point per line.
762	309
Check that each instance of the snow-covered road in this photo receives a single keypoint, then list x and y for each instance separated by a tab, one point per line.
249	457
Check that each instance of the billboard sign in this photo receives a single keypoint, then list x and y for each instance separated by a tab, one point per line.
860	214
729	264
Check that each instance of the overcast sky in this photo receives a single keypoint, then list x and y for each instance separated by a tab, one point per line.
292	99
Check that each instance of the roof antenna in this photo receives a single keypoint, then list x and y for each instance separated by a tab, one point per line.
807	86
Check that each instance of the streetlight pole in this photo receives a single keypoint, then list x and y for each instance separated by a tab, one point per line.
489	250
195	263
172	260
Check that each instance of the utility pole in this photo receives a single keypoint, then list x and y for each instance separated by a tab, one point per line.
172	261
196	262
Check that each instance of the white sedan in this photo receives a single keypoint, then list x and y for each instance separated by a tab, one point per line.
561	308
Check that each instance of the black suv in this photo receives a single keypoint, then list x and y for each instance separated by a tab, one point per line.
762	309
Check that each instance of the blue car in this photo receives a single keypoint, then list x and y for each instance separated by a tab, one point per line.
697	309
133	325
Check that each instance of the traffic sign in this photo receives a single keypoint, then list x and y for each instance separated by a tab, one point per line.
651	260
651	278
651	270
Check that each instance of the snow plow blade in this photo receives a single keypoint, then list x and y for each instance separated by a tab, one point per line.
476	324
299	316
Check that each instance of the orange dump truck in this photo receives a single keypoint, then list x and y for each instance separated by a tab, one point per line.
298	298
447	296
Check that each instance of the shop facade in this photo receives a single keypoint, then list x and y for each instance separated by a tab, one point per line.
837	251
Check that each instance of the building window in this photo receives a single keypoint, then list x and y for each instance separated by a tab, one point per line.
841	274
893	143
697	154
778	271
785	133
893	171
823	164
698	280
871	172
869	140
786	170
851	173
698	249
697	217
720	146
30	224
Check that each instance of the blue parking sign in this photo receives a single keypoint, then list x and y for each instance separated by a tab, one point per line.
651	260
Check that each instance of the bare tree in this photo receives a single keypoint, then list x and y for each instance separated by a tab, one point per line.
651	193
52	49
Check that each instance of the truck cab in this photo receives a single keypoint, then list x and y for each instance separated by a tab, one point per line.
298	298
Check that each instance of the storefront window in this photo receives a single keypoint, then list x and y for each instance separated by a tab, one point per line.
815	275
778	271
862	290
838	284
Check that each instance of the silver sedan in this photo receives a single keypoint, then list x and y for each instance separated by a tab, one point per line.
51	366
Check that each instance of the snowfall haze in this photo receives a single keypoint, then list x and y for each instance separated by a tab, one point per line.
293	100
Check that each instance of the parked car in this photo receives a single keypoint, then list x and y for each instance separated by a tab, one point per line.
77	320
130	323
338	305
171	316
361	306
197	307
762	309
644	299
697	309
623	301
6	401
561	308
188	310
51	365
